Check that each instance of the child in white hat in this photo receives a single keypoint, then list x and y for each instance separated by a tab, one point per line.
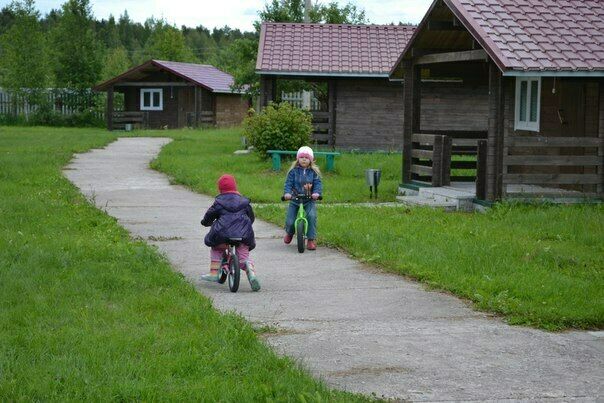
304	177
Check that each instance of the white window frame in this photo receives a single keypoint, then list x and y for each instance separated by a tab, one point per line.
152	91
527	124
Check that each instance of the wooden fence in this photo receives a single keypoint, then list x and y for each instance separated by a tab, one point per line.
62	101
561	161
297	100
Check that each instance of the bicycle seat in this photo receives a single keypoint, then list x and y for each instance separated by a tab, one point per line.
235	241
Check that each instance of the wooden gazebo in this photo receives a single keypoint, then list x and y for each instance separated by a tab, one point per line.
541	65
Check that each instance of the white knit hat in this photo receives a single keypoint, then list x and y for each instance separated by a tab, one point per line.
305	151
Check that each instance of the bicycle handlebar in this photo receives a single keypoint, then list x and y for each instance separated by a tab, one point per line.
302	197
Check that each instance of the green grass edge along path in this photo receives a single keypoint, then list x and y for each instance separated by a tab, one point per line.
541	266
86	313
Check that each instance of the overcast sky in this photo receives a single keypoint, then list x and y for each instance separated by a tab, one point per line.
234	13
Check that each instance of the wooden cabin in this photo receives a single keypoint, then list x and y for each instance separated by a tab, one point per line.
363	108
162	94
539	67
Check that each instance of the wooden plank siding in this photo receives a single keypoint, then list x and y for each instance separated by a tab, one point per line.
231	109
179	105
600	186
369	114
566	153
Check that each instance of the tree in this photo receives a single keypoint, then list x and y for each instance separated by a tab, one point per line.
23	52
349	14
7	17
293	11
167	43
107	32
116	62
239	60
76	51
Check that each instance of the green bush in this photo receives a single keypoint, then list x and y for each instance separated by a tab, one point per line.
278	127
44	116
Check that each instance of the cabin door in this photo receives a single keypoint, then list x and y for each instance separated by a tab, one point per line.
572	108
186	106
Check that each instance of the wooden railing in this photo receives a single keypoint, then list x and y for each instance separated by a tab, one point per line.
139	120
320	123
463	153
431	159
581	152
205	118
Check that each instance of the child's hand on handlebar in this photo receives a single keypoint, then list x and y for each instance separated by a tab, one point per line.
315	196
287	196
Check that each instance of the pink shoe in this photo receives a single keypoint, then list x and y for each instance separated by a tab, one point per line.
288	238
311	245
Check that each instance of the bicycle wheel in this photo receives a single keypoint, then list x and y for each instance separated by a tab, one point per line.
300	236
222	275
234	273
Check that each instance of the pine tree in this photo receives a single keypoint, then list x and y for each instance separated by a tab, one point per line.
167	43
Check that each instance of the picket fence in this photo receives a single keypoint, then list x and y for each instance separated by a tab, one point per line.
296	99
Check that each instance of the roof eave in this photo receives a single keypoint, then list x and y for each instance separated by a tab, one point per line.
261	46
321	74
553	73
105	84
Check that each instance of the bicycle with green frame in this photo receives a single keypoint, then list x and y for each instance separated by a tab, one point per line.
301	222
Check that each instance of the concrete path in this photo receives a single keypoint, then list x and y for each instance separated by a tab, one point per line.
357	329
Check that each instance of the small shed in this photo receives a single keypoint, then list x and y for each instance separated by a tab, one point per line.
164	94
541	64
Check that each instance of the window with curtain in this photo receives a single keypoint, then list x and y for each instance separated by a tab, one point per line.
528	103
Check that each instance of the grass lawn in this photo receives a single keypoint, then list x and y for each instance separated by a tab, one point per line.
86	313
541	266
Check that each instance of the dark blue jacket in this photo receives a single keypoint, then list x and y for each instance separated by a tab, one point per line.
231	216
298	176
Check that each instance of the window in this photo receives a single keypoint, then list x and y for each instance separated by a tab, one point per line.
152	99
528	103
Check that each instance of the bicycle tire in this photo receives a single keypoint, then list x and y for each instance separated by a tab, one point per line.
300	236
222	275
234	273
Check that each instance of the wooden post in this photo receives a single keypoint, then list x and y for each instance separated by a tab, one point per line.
411	103
332	98
267	91
481	170
600	186
197	98
437	160
446	161
109	110
494	136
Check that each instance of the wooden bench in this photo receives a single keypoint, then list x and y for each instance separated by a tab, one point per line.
329	155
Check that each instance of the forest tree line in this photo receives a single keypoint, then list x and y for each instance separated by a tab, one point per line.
70	48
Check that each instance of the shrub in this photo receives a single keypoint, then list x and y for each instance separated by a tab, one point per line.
278	127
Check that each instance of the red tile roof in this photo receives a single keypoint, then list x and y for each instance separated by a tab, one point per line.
330	49
204	75
537	35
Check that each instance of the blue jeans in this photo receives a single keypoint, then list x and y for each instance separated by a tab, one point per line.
311	215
